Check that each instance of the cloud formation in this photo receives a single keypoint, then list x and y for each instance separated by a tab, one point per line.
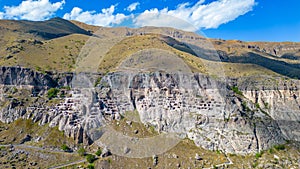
132	6
200	15
35	10
105	18
185	16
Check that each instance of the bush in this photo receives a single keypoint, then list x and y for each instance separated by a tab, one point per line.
258	155
52	93
279	147
90	166
257	105
236	90
90	158
81	151
97	82
65	148
38	68
98	153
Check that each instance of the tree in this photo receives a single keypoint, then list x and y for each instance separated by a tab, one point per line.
90	166
65	148
98	152
90	158
52	93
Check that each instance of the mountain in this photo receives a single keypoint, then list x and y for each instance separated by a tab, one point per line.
146	97
49	29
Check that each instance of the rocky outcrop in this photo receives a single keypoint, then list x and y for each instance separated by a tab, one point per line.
280	99
26	76
191	105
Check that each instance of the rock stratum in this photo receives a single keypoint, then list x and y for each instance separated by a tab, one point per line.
244	115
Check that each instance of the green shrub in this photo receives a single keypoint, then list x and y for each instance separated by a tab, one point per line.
38	68
52	93
98	153
279	147
257	105
90	158
236	90
258	155
97	81
90	166
65	148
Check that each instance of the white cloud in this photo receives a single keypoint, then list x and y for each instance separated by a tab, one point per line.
199	16
185	16
161	18
105	18
35	10
132	6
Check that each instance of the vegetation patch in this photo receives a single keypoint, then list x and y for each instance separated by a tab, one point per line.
280	147
52	93
90	158
236	90
258	155
65	148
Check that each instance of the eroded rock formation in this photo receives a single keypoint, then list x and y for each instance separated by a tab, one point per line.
194	105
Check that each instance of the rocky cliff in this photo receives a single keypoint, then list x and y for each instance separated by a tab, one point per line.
234	116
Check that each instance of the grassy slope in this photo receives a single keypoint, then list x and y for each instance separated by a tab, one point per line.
60	54
134	44
53	28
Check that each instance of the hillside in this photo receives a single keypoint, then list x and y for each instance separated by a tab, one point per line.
148	97
49	29
60	42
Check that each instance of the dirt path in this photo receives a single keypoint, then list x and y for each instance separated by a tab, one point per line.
69	164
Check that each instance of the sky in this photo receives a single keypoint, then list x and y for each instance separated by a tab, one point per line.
247	20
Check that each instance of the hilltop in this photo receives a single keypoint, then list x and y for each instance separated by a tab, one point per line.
56	44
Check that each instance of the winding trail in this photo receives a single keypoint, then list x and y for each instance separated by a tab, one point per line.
69	164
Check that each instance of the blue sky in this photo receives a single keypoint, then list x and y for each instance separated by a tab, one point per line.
248	20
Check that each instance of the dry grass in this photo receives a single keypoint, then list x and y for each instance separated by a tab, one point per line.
132	45
31	158
183	154
14	132
122	126
59	54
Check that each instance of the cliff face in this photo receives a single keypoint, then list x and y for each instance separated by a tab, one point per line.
280	99
26	77
192	105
